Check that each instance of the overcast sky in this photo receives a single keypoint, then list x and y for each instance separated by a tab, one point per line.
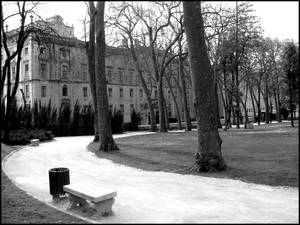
279	19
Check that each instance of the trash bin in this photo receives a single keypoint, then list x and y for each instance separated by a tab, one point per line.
58	177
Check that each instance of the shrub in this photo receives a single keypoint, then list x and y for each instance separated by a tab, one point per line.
135	121
116	122
23	136
75	119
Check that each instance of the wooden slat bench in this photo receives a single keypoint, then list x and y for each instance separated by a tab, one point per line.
34	142
101	199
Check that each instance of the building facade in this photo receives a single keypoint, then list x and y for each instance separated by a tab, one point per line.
56	69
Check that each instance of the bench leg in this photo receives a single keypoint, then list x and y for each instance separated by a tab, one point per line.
77	201
104	208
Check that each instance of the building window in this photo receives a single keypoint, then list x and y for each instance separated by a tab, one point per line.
43	68
26	51
43	91
169	94
130	77
65	102
122	108
141	93
155	93
85	109
64	71
175	93
121	92
131	108
121	75
26	69
65	90
63	53
131	92
110	92
27	91
109	73
141	107
84	75
84	72
85	92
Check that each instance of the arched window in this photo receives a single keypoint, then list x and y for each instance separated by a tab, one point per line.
65	90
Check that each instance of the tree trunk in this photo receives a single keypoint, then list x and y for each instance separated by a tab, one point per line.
161	110
278	116
91	65
237	94
279	104
208	155
188	124
158	77
217	106
258	101
106	140
165	111
253	105
266	97
175	102
291	96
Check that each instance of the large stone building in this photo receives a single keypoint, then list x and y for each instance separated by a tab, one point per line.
57	69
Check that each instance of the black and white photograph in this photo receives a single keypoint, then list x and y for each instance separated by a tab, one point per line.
149	112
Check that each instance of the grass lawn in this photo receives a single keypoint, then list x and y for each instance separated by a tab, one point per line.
268	154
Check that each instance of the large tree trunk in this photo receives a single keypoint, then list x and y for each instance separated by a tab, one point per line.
208	155
91	66
106	140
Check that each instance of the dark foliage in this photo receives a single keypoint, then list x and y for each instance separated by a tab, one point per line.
135	121
116	121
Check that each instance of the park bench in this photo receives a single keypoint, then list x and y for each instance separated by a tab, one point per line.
101	199
34	142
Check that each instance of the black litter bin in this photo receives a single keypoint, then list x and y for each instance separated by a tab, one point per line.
58	177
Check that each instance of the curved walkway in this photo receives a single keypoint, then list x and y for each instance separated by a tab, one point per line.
150	197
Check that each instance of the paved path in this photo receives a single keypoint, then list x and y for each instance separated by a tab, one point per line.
150	197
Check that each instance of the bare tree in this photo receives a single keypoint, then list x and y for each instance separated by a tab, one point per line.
208	155
155	21
129	36
38	31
